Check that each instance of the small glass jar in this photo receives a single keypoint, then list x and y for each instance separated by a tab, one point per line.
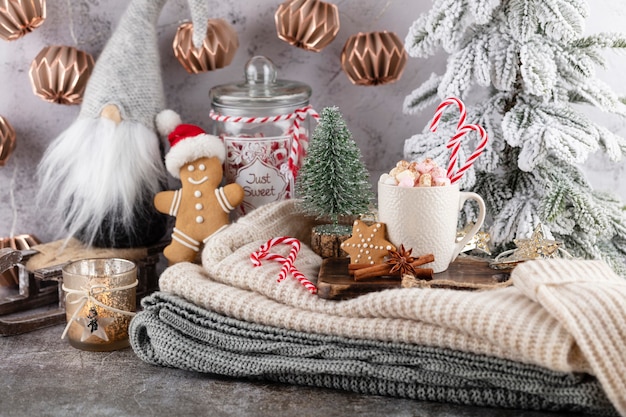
100	301
264	123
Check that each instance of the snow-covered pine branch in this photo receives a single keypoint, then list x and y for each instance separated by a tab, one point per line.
534	64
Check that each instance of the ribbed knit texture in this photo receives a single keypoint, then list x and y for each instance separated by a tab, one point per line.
173	332
514	323
589	300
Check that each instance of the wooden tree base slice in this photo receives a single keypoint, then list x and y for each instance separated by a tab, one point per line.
326	240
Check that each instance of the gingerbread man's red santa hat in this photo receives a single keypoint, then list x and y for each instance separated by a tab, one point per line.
187	142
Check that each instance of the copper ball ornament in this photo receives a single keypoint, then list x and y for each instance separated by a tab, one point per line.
217	51
7	140
59	74
373	58
19	17
307	24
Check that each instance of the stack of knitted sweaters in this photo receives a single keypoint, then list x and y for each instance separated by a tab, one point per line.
555	340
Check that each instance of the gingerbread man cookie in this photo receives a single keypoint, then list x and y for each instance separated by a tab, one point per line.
201	206
367	245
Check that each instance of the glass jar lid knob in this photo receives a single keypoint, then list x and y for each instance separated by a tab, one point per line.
260	70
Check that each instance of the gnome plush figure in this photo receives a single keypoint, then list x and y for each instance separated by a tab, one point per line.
99	176
201	206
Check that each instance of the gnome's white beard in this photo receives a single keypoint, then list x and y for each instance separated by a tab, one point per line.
95	174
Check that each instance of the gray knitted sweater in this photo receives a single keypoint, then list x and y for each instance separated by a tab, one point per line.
173	332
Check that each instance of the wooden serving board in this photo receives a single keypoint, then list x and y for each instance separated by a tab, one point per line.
335	283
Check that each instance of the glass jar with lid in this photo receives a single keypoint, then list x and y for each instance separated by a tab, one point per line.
264	123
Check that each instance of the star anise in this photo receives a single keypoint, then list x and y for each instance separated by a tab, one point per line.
401	261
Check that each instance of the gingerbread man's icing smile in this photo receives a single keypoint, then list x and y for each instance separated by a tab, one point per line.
197	182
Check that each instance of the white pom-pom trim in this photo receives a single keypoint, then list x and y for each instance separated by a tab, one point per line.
166	121
191	149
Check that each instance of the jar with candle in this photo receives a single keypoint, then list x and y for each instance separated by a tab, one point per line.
264	123
100	302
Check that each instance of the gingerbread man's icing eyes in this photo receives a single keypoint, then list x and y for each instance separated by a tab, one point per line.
192	167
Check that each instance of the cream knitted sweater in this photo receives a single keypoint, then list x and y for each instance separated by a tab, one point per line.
563	315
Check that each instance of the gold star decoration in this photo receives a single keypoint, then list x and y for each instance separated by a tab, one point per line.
480	241
367	245
535	247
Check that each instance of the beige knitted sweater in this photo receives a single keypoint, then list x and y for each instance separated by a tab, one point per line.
563	315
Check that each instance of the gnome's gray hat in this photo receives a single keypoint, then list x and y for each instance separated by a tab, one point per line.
128	72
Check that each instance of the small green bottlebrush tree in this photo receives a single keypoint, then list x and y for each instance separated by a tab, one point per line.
527	68
333	181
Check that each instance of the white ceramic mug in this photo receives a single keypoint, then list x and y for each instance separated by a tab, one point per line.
425	219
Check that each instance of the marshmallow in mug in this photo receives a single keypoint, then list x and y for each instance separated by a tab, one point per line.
416	174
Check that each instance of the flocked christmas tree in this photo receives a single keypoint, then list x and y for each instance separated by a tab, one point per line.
525	69
333	181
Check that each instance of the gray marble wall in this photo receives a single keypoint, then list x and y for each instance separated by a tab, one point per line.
374	114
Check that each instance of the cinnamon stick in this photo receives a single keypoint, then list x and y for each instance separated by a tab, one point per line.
424	259
377	270
354	267
424	274
385	269
421	260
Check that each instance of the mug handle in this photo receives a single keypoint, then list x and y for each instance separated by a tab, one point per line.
479	222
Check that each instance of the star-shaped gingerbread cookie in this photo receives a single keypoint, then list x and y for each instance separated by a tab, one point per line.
367	245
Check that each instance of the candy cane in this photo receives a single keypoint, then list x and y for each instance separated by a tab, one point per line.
288	262
450	101
455	143
263	252
296	274
440	109
304	281
298	134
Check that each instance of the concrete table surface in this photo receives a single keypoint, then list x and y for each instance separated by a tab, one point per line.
42	375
